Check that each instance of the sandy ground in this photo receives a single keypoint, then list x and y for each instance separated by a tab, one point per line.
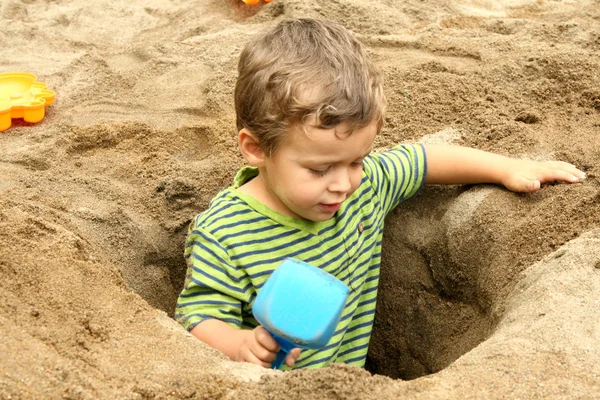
484	293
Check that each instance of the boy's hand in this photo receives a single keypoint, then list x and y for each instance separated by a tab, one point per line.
259	347
451	165
528	175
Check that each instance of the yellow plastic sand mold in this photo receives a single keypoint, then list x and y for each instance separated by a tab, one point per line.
22	97
254	2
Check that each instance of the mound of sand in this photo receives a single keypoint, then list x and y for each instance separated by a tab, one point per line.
484	293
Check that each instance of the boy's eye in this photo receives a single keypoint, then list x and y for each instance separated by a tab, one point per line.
357	164
319	172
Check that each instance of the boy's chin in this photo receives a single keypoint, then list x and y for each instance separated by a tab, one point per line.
321	217
313	214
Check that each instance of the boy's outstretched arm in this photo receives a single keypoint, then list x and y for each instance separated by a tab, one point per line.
462	165
255	346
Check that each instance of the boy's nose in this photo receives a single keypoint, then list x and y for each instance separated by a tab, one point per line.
341	182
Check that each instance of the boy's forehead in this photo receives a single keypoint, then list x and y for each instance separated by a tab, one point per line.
330	141
309	130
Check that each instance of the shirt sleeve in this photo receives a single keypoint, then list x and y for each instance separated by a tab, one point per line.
396	174
214	287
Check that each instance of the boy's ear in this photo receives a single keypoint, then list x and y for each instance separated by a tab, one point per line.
249	146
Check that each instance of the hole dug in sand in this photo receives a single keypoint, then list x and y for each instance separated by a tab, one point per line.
447	288
462	300
430	310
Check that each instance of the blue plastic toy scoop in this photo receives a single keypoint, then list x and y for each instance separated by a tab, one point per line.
300	305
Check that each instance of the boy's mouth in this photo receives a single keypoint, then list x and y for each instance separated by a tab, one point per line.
330	208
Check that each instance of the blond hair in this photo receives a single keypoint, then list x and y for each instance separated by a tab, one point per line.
301	69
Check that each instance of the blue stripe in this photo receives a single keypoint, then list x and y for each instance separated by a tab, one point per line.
279	259
237	223
297	253
225	284
416	164
248	324
317	361
398	196
218	199
350	273
350	310
406	174
356	338
209	302
342	254
369	290
273	249
404	160
259	274
352	350
247	232
209	250
377	179
336	271
356	359
231	312
205	262
359	252
199	232
422	183
385	181
330	346
198	293
364	303
329	262
383	162
417	174
358	276
263	240
362	314
363	325
205	317
215	211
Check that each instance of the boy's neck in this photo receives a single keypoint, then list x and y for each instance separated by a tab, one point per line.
252	189
257	189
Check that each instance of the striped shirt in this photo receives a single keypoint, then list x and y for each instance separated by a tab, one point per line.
233	247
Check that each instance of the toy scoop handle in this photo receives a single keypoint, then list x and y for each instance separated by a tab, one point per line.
286	347
281	355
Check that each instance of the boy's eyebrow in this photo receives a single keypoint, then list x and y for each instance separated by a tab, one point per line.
328	160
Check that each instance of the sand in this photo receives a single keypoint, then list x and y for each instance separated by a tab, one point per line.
484	293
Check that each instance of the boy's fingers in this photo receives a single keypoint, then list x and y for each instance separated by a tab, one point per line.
523	184
532	185
296	352
264	354
266	340
290	360
562	175
251	357
566	172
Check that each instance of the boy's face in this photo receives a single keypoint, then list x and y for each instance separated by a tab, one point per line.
314	170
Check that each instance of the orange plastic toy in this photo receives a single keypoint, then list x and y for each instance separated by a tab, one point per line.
254	2
22	97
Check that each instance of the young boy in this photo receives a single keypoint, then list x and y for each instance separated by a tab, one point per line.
309	103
